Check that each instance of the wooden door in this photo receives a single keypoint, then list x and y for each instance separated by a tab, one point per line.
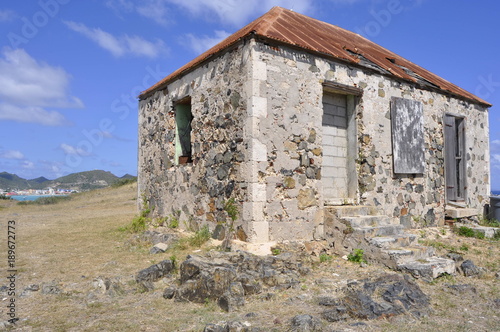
454	146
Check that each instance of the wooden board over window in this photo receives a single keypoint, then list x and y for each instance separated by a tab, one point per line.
407	136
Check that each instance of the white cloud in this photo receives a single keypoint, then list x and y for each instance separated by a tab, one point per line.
30	114
119	5
201	44
236	12
119	46
69	149
28	164
7	15
155	10
28	82
12	154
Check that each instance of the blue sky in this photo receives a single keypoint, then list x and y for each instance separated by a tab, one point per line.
70	70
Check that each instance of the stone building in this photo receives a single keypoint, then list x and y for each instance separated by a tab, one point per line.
295	118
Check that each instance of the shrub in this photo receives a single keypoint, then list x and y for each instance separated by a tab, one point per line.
5	197
199	237
139	223
356	256
325	258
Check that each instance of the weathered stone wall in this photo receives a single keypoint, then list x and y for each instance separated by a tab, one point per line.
293	138
196	192
257	136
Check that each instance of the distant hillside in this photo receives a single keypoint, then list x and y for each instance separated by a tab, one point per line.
12	181
77	181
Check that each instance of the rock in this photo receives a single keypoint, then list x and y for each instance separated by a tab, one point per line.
469	269
305	323
288	182
340	313
50	288
455	257
233	298
153	273
227	277
32	288
386	296
230	327
461	289
219	232
306	198
155	237
496	303
158	248
108	286
169	293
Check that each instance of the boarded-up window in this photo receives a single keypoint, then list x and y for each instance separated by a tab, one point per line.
407	136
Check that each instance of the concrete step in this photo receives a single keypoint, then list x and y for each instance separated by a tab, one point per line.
384	230
404	255
395	241
429	268
369	221
352	210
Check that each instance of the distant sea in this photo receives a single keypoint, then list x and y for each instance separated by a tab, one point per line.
29	197
495	192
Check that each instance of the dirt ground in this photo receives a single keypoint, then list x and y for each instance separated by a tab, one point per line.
64	251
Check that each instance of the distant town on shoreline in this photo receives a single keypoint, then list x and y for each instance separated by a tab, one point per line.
11	184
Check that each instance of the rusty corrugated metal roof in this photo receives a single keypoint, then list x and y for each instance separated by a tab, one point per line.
295	29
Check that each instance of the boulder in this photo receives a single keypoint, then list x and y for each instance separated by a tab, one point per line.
386	296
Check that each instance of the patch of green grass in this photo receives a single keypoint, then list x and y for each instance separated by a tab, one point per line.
325	258
199	237
173	222
139	223
464	247
123	182
46	200
275	251
357	256
438	245
469	232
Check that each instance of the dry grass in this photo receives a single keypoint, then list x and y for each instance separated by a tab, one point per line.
73	242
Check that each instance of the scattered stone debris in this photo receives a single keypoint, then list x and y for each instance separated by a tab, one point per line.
305	323
231	327
386	296
460	289
227	277
51	288
158	248
111	287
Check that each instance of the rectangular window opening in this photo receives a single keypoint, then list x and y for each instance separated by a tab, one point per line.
183	119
